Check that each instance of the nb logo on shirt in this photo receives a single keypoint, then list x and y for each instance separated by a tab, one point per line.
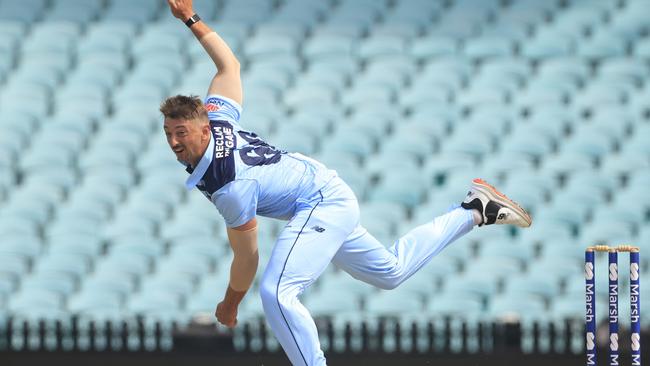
317	228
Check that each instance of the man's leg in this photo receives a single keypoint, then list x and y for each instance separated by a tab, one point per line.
303	251
367	260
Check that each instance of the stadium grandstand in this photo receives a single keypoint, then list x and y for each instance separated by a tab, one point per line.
103	250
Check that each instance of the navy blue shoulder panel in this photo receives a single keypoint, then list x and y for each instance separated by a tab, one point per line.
222	169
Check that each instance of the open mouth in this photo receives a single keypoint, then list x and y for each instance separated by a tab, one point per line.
178	150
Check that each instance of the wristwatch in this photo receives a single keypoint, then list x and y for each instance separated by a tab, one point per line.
193	19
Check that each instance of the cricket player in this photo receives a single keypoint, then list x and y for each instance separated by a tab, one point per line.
243	176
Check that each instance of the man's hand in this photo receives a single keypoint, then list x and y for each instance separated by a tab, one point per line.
226	314
182	9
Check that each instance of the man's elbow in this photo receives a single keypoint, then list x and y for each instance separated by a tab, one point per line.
235	64
248	259
232	67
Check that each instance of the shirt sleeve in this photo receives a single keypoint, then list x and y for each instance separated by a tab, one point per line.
237	201
222	108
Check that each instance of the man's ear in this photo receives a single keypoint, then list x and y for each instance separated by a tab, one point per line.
205	131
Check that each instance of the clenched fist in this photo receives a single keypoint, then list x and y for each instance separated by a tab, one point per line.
226	315
182	9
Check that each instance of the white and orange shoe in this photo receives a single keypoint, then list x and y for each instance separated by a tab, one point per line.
495	207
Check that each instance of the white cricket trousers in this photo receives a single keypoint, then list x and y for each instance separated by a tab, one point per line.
326	229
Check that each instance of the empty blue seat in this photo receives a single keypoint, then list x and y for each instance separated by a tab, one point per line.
433	46
152	302
132	265
74	266
59	284
389	303
305	13
27	246
414	12
261	46
75	244
121	10
527	141
306	94
191	264
345	140
23	11
536	286
592	144
74	11
561	268
609	233
93	300
630	23
488	47
381	46
32	300
173	283
454	306
517	307
568	163
548	45
471	284
119	284
326	302
246	12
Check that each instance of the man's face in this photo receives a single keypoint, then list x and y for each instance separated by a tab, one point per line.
187	138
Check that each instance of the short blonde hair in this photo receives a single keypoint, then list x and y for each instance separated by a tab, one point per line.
184	107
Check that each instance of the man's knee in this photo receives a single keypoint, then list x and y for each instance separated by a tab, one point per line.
268	291
274	293
388	283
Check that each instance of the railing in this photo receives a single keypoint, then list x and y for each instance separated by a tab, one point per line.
381	335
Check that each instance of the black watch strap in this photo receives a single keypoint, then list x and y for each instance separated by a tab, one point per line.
193	19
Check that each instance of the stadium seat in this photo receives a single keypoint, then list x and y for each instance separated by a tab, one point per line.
517	307
91	301
246	12
488	47
548	46
325	303
30	301
432	46
455	306
22	11
391	304
121	10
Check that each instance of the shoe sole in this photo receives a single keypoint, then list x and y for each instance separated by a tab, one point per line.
494	195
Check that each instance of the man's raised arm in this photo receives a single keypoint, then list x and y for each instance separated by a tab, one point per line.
227	81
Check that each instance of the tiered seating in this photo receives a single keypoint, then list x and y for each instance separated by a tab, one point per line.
408	100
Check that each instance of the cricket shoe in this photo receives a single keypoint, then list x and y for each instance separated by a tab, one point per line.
494	206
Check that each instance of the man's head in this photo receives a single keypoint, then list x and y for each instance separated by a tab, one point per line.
186	126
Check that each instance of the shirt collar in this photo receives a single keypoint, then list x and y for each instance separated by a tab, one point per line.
201	167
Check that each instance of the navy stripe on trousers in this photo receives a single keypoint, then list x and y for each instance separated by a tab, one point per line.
277	289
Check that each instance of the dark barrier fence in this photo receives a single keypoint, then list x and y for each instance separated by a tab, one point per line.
387	339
